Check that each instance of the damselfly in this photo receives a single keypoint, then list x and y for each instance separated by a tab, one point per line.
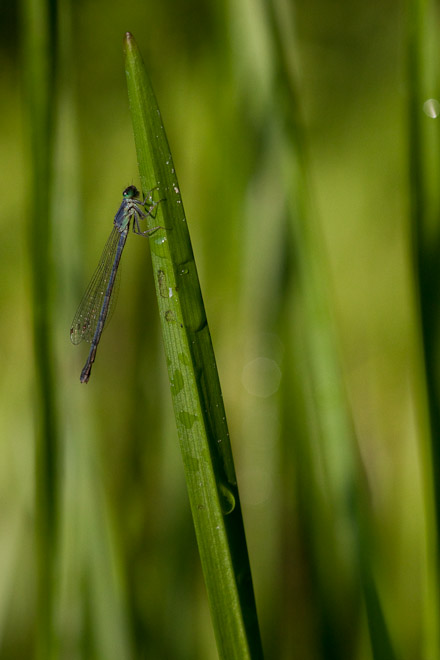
93	311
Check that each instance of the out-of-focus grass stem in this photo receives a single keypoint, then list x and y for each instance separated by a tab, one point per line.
329	403
426	282
39	62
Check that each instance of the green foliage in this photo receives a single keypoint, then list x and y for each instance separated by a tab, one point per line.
293	142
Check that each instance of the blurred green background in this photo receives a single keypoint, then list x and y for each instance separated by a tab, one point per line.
128	582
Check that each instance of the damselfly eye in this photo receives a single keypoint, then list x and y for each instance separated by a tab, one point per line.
130	192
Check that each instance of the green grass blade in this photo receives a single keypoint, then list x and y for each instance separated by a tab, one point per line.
424	253
195	387
38	59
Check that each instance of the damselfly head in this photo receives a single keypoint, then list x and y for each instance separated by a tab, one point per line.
130	192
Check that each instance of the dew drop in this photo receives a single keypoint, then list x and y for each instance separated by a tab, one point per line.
159	246
227	499
431	108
